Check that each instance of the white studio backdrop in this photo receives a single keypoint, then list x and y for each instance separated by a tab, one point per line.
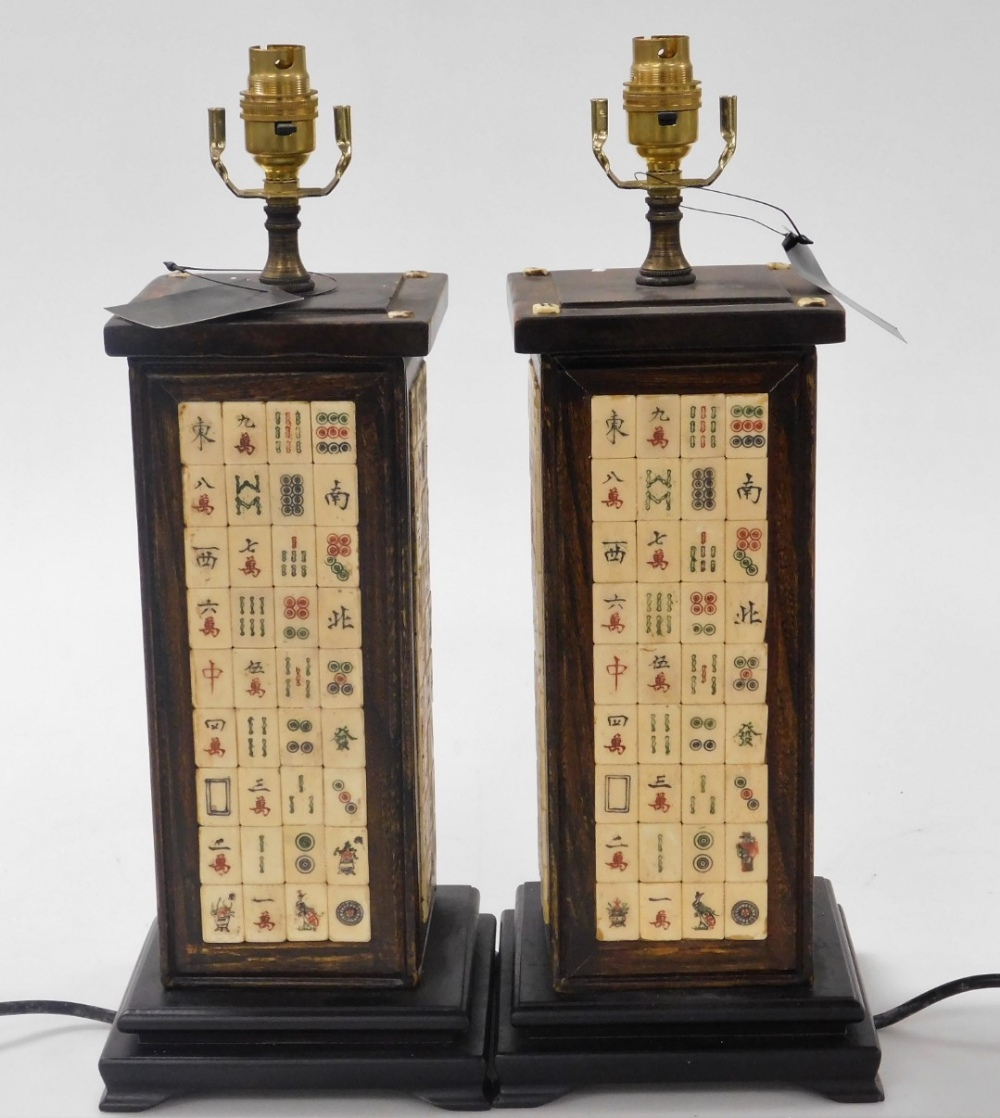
872	124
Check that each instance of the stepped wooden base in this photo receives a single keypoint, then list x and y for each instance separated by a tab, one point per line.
430	1042
819	1037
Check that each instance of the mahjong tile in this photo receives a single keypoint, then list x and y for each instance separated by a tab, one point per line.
614	613
350	913
615	674
615	732
299	622
658	489
703	852
660	911
244	437
222	913
658	668
206	557
703	551
616	794
219	857
703	794
212	678
659	793
300	737
703	673
334	431
346	855
288	431
250	563
747	425
702	734
703	427
614	552
660	851
703	489
616	852
746	490
255	681
258	793
257	737
746	852
305	855
613	489
346	802
208	619
746	910
199	425
263	855
746	793
746	613
746	673
658	732
746	551
291	493
703	912
248	494
302	796
341	678
658	551
612	427
702	613
335	494
299	677
339	617
306	911
657	423
252	620
265	914
203	492
216	797
659	612
214	738
343	738
617	915
746	733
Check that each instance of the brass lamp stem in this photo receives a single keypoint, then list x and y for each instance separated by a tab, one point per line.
665	263
284	267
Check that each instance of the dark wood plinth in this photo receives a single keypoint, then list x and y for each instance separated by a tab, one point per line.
430	1041
819	1037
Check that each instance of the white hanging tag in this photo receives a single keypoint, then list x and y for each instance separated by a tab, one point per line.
805	263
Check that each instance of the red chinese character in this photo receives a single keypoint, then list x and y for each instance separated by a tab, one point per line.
212	673
658	439
617	745
220	865
614	500
204	505
617	861
245	445
256	689
660	682
250	567
265	923
661	920
260	807
658	562
215	748
617	670
209	629
615	624
660	802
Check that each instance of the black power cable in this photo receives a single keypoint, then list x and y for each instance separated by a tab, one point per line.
939	993
68	1009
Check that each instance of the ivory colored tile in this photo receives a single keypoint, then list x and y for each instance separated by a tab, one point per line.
613	490
659	551
746	734
615	735
616	795
659	793
212	678
297	610
703	426
703	910
747	425
305	854
658	667
217	797
302	796
704	794
252	614
263	855
703	852
255	681
299	677
219	858
199	425
746	490
306	910
294	556
659	612
614	552
292	502
746	613
338	556
617	912
703	673
257	737
339	618
250	563
341	678
344	738
659	851
703	551
206	558
702	734
258	792
350	913
660	912
346	855
658	484
222	913
746	551
616	851
615	674
248	494
208	621
300	737
746	673
746	852
657	423
346	801
265	915
658	732
746	910
244	432
703	612
335	494
214	738
614	613
334	431
288	431
746	794
612	427
203	489
703	489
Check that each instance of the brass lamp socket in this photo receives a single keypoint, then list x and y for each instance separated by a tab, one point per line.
279	110
662	99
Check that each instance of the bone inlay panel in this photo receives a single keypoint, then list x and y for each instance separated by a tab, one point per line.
275	631
679	507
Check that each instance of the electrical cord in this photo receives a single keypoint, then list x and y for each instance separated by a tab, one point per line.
69	1009
939	993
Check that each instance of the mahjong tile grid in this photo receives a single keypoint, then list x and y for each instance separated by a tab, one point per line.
282	507
677	933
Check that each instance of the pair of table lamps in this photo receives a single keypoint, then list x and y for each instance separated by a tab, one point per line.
677	932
